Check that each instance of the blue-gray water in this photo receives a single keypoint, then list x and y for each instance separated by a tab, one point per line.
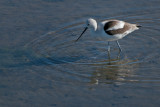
42	66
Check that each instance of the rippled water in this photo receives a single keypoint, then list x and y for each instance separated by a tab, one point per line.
87	59
42	65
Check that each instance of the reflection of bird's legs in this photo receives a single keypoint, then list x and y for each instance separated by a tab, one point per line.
120	50
108	52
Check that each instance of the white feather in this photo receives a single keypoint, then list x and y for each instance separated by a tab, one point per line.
119	25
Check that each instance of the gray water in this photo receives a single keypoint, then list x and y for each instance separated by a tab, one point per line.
42	66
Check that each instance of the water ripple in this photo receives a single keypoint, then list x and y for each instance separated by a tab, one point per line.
87	62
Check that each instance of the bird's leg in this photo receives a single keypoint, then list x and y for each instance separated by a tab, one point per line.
120	50
108	52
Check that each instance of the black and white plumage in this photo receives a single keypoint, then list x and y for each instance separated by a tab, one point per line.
112	30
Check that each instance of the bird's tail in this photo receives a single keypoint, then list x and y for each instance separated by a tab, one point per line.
137	25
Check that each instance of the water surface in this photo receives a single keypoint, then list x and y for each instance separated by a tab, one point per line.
42	65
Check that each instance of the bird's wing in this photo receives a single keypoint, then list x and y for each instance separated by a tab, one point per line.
118	28
113	25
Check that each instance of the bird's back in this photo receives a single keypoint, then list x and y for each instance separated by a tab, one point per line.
113	27
116	29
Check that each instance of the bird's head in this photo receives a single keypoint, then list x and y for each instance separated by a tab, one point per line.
90	23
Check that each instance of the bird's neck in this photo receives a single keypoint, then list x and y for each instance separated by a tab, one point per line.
94	31
94	27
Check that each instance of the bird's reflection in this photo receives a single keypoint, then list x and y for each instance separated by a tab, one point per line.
115	71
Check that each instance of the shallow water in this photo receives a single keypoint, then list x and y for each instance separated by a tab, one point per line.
42	65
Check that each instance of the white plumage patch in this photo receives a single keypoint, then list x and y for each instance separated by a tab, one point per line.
118	25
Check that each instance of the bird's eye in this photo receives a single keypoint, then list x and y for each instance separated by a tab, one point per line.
88	24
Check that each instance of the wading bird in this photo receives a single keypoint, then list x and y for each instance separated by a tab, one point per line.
112	30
